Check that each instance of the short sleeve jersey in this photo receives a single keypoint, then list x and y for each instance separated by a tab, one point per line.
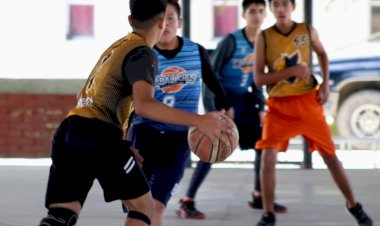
107	93
285	50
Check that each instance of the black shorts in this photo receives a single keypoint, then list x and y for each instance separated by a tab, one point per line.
247	119
87	149
165	157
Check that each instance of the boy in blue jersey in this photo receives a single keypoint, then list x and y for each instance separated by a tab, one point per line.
283	65
163	147
233	63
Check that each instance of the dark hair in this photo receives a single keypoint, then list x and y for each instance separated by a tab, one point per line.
293	1
247	3
176	5
143	10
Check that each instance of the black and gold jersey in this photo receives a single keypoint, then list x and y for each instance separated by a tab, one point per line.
107	93
285	50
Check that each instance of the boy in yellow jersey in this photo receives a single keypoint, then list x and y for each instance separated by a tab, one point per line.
295	103
89	143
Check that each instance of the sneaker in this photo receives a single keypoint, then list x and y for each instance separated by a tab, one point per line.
257	203
268	219
187	210
361	217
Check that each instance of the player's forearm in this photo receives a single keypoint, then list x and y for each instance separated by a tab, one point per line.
158	111
270	78
324	65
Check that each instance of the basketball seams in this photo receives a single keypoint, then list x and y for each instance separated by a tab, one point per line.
199	143
212	151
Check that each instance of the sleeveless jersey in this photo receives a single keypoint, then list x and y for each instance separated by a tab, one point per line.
107	95
177	84
237	74
283	51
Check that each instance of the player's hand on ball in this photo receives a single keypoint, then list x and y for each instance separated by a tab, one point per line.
215	147
212	125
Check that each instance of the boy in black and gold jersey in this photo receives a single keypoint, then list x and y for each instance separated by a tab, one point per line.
295	103
89	143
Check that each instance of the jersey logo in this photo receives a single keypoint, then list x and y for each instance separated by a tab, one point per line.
286	61
246	64
300	40
173	79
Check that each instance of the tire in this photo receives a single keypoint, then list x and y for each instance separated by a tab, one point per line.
359	115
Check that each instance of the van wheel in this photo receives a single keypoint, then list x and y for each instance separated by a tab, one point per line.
359	115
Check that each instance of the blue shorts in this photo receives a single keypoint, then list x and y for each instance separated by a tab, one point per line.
87	149
165	157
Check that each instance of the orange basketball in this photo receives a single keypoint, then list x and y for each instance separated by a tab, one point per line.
212	151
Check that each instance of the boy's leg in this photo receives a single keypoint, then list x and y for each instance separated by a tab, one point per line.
268	184
257	186
187	204
59	217
268	178
140	210
200	172
354	208
340	178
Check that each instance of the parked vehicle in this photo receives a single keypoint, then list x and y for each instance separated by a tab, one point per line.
354	101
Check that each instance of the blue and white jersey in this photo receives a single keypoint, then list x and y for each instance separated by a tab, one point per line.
177	84
237	74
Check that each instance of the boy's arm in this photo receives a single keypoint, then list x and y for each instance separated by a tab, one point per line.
261	78
146	106
323	61
212	87
222	53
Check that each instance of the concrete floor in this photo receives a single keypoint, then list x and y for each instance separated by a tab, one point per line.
310	195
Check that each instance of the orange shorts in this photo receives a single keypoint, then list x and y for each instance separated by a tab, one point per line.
288	117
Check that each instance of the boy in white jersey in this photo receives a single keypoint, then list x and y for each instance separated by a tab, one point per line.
295	103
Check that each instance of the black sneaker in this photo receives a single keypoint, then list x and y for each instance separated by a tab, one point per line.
361	217
187	210
268	219
257	203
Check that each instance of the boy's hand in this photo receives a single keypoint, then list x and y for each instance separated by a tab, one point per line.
301	71
323	93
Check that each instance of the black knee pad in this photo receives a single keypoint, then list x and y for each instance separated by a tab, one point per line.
59	217
139	216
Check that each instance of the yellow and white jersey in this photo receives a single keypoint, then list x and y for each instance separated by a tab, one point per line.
285	50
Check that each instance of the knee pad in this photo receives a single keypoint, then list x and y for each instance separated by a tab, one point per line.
59	217
139	216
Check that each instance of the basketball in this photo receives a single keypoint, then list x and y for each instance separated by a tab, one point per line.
212	151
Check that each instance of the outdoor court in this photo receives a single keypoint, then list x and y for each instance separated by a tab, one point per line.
310	195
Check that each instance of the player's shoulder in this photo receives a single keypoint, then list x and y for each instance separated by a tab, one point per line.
141	52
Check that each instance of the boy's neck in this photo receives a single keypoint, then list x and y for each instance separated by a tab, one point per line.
251	33
285	28
174	44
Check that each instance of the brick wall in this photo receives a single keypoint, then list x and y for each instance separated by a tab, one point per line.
28	122
30	111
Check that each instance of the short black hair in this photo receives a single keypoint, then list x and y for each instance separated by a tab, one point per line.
143	10
176	5
247	3
293	1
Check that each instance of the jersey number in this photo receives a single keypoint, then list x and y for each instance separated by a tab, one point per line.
169	100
